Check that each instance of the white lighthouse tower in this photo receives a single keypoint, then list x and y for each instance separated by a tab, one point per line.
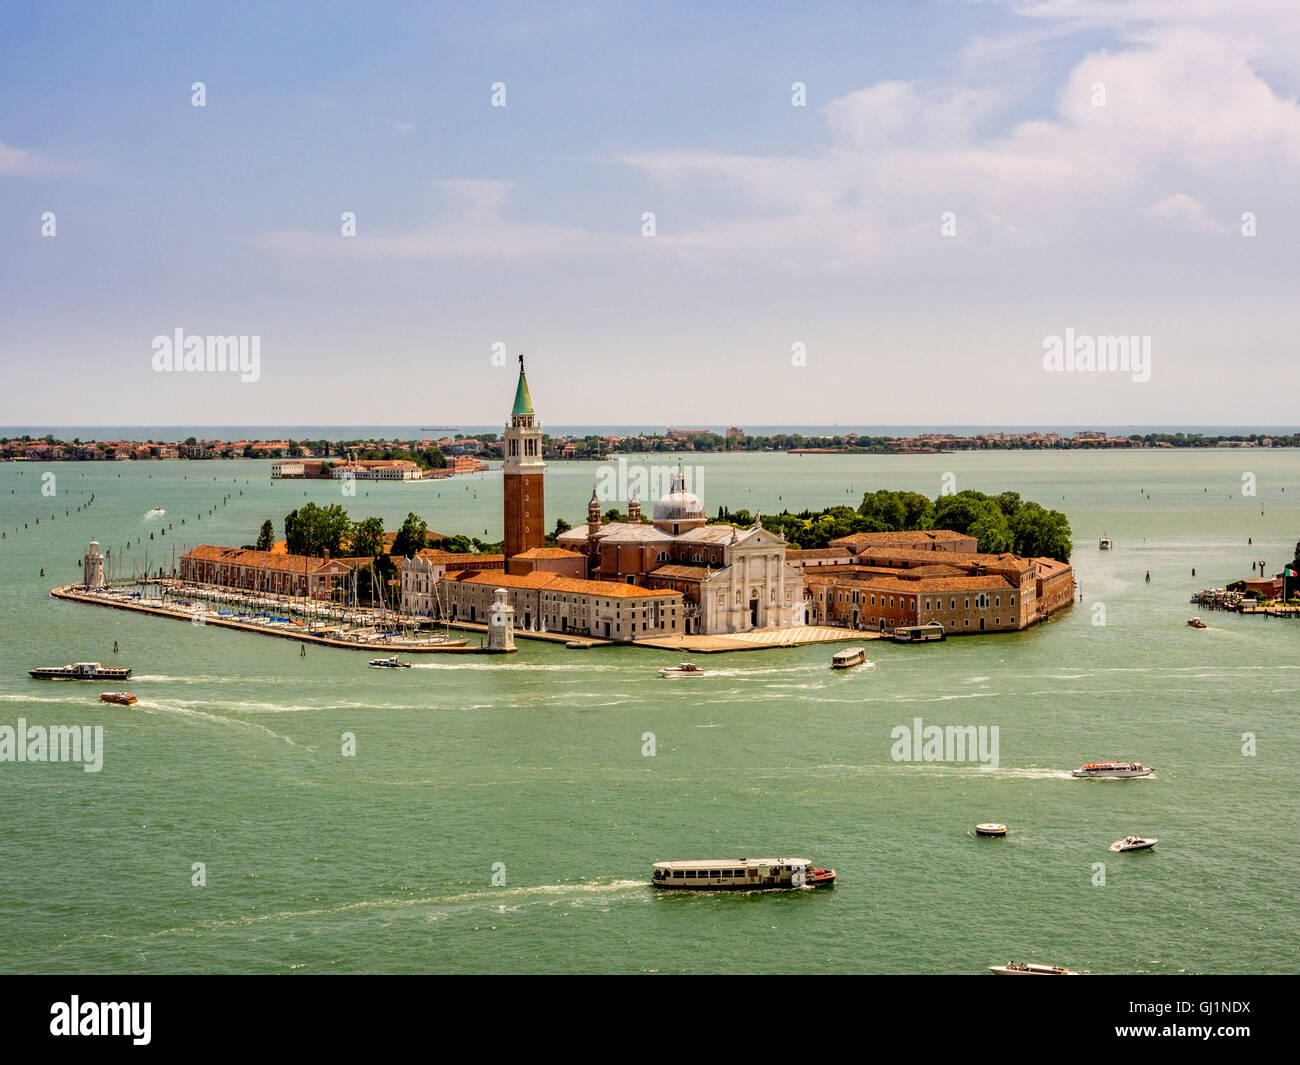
501	624
92	570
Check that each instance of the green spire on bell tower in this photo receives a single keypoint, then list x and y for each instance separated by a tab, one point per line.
523	401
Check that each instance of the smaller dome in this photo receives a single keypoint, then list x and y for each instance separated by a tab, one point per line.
679	505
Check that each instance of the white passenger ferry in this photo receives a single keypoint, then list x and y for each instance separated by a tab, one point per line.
848	658
740	874
1112	770
81	671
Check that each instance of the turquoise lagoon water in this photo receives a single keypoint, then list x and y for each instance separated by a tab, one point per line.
532	767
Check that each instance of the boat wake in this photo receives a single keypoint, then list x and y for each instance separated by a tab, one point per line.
150	706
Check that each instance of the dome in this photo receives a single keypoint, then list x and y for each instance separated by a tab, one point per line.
679	505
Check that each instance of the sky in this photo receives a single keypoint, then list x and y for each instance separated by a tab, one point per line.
898	242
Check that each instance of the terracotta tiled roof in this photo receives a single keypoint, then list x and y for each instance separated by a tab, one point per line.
548	552
912	536
688	573
955	558
457	558
612	589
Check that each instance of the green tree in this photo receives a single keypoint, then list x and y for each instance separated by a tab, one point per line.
1039	533
411	538
975	514
313	530
367	538
266	538
460	544
1009	503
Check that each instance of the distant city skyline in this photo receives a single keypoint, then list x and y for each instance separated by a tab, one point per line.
872	215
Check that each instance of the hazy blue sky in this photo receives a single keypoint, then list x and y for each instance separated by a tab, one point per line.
776	225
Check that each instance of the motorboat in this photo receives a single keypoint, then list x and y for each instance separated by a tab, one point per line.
848	658
1104	543
1197	623
1013	968
81	671
1112	770
686	669
740	874
1133	843
120	698
990	828
389	663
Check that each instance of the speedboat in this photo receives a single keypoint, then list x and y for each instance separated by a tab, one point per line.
389	663
1112	770
1133	843
1030	969
991	828
740	874
1196	623
848	658
120	698
81	671
686	669
1104	543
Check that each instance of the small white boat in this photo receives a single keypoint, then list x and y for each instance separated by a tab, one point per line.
157	512
848	658
389	663
1030	969
990	828
1133	843
686	669
1104	543
1112	771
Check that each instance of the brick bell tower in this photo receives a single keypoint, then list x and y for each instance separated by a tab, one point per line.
525	511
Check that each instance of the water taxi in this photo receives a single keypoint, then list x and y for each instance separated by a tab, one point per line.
120	698
389	663
848	658
1133	843
1030	969
81	671
686	669
990	828
740	874
1196	623
919	633
1112	770
1104	543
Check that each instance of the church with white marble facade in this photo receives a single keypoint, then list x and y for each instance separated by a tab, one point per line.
732	579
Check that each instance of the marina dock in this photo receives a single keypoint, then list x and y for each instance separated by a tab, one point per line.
72	593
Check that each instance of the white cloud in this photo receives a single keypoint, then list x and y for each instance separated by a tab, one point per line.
1186	212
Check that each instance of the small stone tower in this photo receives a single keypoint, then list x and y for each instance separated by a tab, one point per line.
93	567
501	624
634	509
593	515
